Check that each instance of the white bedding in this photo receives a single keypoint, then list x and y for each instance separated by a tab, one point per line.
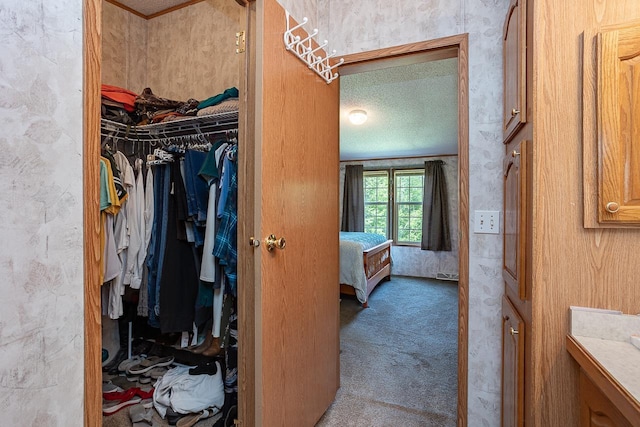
351	262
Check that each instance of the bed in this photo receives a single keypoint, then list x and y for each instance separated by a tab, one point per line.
365	261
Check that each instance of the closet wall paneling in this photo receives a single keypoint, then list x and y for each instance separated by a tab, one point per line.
124	48
192	51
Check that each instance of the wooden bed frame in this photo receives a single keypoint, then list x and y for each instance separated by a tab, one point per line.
377	267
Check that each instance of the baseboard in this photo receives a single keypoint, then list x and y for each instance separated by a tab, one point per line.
447	276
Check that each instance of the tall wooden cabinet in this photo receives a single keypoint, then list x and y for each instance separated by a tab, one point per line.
516	318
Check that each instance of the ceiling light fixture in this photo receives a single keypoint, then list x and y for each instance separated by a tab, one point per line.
357	117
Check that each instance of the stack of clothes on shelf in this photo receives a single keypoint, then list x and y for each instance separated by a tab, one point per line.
123	106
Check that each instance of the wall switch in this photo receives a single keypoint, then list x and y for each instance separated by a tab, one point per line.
487	222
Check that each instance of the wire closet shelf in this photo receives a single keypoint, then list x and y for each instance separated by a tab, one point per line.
170	132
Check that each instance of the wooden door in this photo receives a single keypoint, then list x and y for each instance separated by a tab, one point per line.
619	125
515	218
512	366
296	160
515	66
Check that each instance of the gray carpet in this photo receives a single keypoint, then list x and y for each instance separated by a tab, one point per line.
398	357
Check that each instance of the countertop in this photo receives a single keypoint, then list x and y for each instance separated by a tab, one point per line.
600	343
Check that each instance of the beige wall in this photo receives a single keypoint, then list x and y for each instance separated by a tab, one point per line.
124	48
191	52
188	53
411	260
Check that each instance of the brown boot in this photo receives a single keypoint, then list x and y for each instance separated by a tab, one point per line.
214	349
204	345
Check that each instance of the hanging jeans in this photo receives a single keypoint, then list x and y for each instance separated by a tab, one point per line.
158	243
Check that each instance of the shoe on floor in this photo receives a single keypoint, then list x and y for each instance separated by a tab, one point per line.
156	373
110	388
144	380
127	363
110	407
138	413
150	363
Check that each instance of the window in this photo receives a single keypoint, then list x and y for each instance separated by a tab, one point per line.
393	204
376	202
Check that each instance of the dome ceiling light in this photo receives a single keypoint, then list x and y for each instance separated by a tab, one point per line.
357	117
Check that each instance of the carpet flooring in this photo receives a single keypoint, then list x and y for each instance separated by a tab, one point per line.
398	358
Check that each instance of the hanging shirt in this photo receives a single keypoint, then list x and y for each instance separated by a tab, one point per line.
225	247
208	265
136	279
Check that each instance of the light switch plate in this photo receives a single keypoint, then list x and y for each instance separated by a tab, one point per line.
487	222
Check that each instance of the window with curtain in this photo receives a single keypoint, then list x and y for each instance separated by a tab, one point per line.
393	204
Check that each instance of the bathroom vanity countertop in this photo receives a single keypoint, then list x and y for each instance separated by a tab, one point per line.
600	343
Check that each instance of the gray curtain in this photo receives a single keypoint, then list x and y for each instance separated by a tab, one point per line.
353	199
435	209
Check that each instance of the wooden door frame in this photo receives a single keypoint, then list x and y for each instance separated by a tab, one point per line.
92	64
92	71
447	47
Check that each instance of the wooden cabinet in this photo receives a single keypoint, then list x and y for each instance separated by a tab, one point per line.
512	366
618	117
596	410
515	66
516	196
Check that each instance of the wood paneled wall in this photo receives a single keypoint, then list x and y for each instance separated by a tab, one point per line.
571	265
124	48
188	53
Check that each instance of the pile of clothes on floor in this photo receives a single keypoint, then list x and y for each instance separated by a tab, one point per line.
127	107
156	389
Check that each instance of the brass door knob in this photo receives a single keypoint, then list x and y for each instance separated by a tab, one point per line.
513	331
272	242
515	112
514	153
612	207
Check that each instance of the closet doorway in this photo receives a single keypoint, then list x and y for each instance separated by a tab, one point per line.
288	305
450	53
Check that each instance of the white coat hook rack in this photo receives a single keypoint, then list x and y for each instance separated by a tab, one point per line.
304	50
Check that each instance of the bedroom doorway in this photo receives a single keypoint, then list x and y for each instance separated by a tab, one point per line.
387	72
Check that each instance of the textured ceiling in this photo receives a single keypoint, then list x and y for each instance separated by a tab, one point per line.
149	7
412	111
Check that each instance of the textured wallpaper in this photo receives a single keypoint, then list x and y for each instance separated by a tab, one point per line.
355	28
41	250
411	260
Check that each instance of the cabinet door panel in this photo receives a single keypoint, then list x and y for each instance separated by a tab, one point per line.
515	218
596	410
515	65
619	125
512	366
